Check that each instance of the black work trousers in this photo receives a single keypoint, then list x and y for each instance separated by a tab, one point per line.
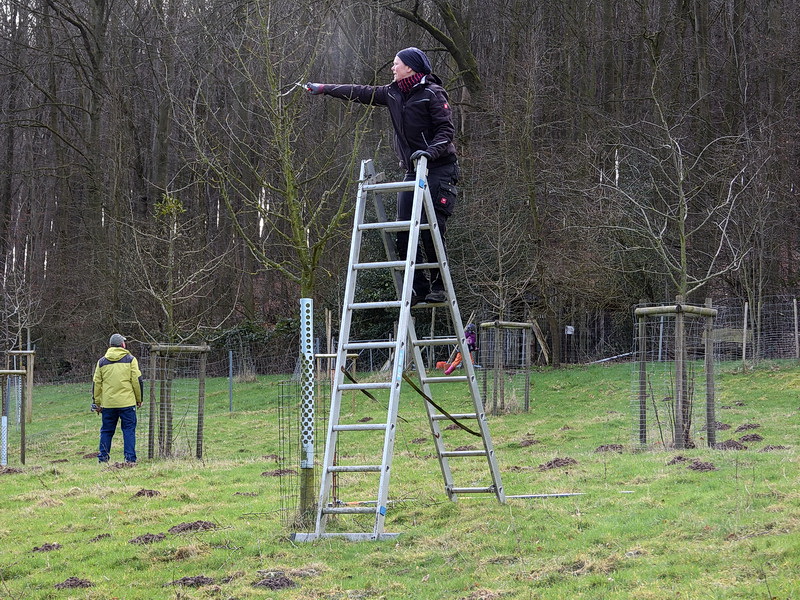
443	204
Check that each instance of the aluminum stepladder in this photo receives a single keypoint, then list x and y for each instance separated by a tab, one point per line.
406	348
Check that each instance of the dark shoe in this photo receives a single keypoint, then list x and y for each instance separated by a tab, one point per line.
436	296
416	300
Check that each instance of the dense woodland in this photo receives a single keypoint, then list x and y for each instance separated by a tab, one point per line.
162	174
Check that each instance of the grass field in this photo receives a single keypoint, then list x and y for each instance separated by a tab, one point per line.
700	523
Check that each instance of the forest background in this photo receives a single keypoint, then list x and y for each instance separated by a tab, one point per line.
163	176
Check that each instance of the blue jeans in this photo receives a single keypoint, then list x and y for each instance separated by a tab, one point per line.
127	419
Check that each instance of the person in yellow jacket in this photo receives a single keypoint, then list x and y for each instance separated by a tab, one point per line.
116	394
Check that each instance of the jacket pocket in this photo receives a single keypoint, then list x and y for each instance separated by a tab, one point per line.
445	199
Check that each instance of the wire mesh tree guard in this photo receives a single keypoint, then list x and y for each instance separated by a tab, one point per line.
504	354
674	373
172	368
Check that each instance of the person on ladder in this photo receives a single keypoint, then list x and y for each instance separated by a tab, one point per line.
423	126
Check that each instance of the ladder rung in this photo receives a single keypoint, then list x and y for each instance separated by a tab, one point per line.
386	226
367	305
463	453
371	385
473	490
455	416
387	264
366	345
446	379
437	342
392	185
349	510
360	427
394	226
428	266
354	469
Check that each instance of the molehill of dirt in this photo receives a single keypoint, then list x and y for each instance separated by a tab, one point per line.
558	463
196	581
770	448
47	547
193	526
747	426
529	442
9	471
718	426
699	465
278	582
730	445
74	582
147	538
143	493
610	448
751	437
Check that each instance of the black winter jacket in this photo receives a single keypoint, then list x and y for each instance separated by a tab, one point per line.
422	119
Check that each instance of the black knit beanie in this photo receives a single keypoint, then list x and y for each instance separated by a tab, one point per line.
415	59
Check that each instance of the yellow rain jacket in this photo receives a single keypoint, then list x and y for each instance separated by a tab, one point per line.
117	381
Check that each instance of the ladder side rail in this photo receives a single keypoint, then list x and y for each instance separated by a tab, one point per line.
455	315
436	432
326	481
404	321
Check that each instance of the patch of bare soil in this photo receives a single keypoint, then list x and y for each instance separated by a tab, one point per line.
730	445
718	426
558	463
747	426
279	472
9	471
147	538
610	448
251	494
278	582
482	595
699	465
565	428
102	536
451	427
143	493
751	437
60	460
194	526
465	448
274	457
196	581
678	460
529	442
419	440
122	465
770	448
90	455
47	547
365	419
74	582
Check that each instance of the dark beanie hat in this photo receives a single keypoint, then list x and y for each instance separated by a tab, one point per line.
415	59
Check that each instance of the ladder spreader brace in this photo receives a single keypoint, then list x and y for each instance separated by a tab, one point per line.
407	348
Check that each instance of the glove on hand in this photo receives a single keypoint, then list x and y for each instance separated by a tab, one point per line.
315	88
419	154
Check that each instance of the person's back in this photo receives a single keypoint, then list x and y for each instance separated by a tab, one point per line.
117	391
116	379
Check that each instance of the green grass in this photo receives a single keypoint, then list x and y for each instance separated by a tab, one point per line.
641	528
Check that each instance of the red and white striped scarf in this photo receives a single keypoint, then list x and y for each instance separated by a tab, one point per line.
409	82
